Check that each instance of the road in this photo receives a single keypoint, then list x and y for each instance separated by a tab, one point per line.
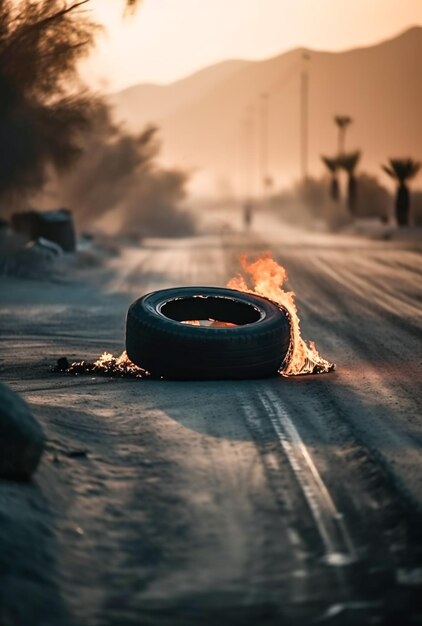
280	501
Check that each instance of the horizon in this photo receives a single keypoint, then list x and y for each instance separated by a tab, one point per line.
229	34
275	56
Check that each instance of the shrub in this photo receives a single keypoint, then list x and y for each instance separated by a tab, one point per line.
312	193
118	178
373	199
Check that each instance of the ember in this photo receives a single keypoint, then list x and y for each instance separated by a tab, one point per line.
106	365
267	278
210	323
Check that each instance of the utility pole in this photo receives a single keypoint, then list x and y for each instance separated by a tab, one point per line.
248	152
304	116
263	169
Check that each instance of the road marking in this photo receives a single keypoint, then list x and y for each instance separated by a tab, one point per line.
339	549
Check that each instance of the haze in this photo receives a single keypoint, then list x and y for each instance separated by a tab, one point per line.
168	39
202	118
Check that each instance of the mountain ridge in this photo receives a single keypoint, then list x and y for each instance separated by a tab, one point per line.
416	29
201	115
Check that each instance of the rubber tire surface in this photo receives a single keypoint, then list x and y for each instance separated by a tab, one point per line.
166	347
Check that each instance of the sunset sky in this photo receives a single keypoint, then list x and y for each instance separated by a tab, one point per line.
168	39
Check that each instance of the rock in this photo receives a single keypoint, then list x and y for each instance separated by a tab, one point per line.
21	437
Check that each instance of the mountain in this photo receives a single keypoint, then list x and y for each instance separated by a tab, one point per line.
202	117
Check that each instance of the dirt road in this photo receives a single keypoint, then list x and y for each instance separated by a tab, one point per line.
284	501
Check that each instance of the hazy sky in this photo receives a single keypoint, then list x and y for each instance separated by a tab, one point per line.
168	39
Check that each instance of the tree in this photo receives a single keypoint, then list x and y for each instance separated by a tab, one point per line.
117	179
342	121
348	162
332	164
402	170
132	5
43	110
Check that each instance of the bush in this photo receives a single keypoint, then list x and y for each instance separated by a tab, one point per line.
312	193
118	180
373	199
153	207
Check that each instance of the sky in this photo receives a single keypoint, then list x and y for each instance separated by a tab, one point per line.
168	39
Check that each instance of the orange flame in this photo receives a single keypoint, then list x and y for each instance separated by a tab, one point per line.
267	278
106	365
107	359
210	322
118	365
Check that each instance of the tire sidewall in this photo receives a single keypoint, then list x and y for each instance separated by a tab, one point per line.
169	348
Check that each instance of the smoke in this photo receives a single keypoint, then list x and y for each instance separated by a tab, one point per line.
311	200
117	181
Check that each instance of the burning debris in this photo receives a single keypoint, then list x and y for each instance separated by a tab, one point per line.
106	365
267	278
263	277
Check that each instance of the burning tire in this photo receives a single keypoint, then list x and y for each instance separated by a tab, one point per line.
207	333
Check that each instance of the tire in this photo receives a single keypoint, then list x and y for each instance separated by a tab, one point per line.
157	340
56	226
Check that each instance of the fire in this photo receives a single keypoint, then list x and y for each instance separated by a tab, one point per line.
106	365
210	323
108	360
267	278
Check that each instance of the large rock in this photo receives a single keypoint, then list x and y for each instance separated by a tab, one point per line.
21	437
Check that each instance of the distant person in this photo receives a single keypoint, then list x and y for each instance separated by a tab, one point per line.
247	215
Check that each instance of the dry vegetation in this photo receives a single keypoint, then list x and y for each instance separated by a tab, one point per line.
117	177
312	199
57	136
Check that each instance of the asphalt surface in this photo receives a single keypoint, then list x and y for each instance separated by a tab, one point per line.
280	501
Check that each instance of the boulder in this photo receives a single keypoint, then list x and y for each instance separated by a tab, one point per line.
21	437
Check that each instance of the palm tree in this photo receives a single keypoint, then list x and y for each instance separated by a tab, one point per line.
132	4
332	164
402	170
342	121
348	162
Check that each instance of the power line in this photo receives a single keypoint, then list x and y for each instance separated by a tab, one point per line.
304	114
264	144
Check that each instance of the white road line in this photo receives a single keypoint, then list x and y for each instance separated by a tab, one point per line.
339	549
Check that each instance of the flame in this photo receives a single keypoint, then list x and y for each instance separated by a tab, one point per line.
118	366
108	360
106	365
267	278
